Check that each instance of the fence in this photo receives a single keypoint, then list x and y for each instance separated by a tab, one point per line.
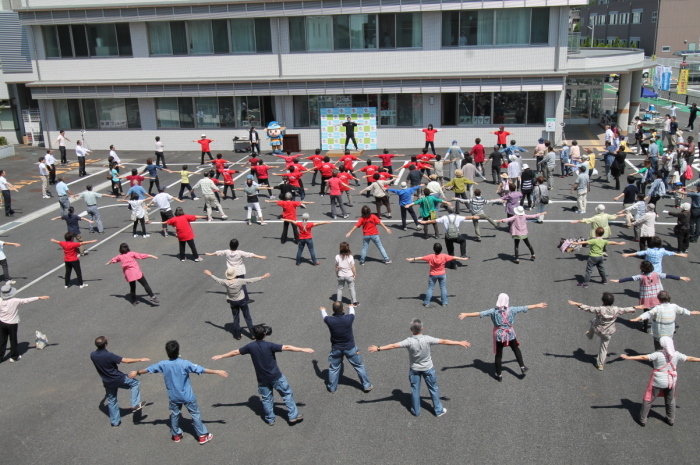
674	97
7	151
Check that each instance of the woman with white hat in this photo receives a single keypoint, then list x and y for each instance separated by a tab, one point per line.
9	320
518	229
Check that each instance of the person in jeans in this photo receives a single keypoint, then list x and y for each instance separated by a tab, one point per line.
93	212
655	254
9	319
176	374
346	272
503	317
268	373
368	222
132	271
437	274
343	346
663	378
234	259
306	237
603	325
70	257
663	317
418	346
289	212
596	258
112	379
236	297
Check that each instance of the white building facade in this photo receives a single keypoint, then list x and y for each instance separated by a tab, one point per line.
179	69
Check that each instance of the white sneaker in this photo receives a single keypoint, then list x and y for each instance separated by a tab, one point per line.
136	235
444	411
83	285
45	197
147	235
198	259
10	281
65	287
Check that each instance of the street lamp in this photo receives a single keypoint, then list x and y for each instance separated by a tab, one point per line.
592	28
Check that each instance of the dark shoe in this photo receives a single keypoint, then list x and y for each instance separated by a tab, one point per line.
523	370
155	300
640	422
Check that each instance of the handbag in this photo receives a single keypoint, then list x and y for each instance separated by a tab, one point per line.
544	198
41	340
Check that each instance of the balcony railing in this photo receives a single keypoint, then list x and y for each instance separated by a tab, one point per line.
574	45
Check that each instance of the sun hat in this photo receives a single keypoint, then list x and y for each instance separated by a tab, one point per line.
540	140
403	184
685	206
231	272
458	173
7	291
519	211
504	175
600	208
525	166
204	135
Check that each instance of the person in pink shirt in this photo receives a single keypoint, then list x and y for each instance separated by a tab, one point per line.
132	271
204	143
502	137
518	229
430	137
437	263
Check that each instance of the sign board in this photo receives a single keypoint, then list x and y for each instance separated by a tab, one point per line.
333	133
551	124
666	78
658	71
683	82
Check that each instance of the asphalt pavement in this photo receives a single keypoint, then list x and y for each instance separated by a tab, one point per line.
563	411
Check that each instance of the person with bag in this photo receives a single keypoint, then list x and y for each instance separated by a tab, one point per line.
541	197
9	320
451	223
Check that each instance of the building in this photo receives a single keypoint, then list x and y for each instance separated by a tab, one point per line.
658	27
175	69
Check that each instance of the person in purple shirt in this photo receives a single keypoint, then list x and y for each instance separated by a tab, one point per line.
106	365
268	373
511	200
176	374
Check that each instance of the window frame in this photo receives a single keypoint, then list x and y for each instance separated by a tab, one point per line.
491	117
637	16
369	100
93	102
494	29
612	18
665	49
71	28
654	17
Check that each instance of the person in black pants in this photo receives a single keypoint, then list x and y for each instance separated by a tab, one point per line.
350	132
496	159
693	114
70	257
5	187
10	321
682	228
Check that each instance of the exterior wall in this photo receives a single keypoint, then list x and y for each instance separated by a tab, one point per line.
678	26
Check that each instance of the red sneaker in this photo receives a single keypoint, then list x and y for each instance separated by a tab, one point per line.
206	438
177	438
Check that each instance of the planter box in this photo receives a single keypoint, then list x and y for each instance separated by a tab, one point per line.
7	151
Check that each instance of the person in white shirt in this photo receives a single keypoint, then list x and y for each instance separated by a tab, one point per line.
672	109
50	161
80	152
162	201
609	134
3	262
61	141
5	187
44	175
159	152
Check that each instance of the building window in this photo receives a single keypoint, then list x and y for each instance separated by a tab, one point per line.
666	48
219	36
521	26
213	112
7	120
624	18
634	42
654	16
101	113
486	108
91	40
355	32
601	20
637	16
612	18
393	110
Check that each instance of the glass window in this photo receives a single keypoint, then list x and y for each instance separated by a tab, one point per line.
248	111
319	33
207	112
227	115
201	42
90	120
637	16
539	28
409	30
359	100
363	31
634	42
68	114
449	110
450	28
387	31
51	42
263	36
124	39
513	26
64	41
80	45
167	113
476	27
178	34
7	120
112	113
243	35
624	18
102	39
159	39
133	115
186	109
509	107
387	110
466	108
302	111
219	29
341	32
612	18
297	34
482	108
404	105
654	16
535	107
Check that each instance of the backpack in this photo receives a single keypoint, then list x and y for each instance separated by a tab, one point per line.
452	229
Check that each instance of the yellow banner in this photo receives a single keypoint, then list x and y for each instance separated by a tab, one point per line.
682	87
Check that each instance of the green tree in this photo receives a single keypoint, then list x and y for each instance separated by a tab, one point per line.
586	42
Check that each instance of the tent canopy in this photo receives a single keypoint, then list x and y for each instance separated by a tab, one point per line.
648	93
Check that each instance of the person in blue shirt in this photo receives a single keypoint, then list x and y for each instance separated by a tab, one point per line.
137	189
106	365
564	152
268	373
152	171
406	198
655	254
176	374
609	158
512	149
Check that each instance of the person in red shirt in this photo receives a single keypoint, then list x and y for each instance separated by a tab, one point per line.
133	178
305	237
261	172
430	137
478	154
369	171
386	160
437	263
70	257
502	137
335	189
345	177
317	160
253	160
228	182
289	212
294	179
348	161
326	168
184	232
288	159
425	159
417	164
385	175
219	164
368	222
204	143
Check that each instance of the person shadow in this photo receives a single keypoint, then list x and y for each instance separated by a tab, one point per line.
404	398
633	408
486	368
137	417
255	404
342	379
228	327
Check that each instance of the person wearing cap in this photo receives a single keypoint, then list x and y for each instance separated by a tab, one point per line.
9	320
204	144
236	298
501	137
581	186
418	346
234	259
162	200
596	256
132	271
527	178
647	226
306	237
518	229
405	202
503	317
453	158
663	378
599	220
503	186
655	253
682	228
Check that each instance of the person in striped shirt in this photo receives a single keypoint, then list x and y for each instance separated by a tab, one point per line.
663	322
476	207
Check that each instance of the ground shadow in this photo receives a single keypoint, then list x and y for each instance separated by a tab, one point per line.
505	257
137	417
633	408
342	379
139	298
486	368
578	354
404	398
255	404
577	277
228	327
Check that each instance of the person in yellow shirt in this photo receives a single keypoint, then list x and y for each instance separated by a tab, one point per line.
184	182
